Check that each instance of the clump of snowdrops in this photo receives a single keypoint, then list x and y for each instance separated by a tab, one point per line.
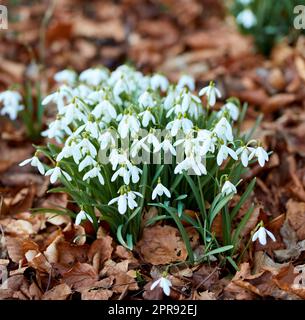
25	103
125	142
267	21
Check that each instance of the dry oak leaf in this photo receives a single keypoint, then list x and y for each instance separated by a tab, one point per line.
296	217
20	228
81	275
69	254
291	280
122	279
162	245
100	251
59	292
14	248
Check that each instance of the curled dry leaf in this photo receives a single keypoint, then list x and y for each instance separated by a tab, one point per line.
162	245
38	261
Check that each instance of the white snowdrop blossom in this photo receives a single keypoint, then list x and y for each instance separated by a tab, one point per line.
125	200
56	173
163	283
82	215
246	18
223	130
186	81
11	101
159	82
261	234
93	76
228	188
66	76
211	92
231	108
119	134
95	172
35	162
261	155
224	152
159	190
246	154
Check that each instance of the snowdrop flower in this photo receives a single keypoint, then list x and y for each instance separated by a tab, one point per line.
70	113
262	155
122	172
126	199
208	140
146	100
94	173
68	151
104	108
92	128
191	163
191	104
88	161
87	147
159	81
246	18
164	283
117	158
35	162
228	188
180	123
261	234
58	97
151	139
128	123
231	108
147	117
56	129
11	103
169	100
106	139
56	173
223	130
65	76
93	76
211	92
246	154
82	215
224	152
160	190
138	145
186	81
167	146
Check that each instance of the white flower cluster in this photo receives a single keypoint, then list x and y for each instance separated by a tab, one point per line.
11	101
98	107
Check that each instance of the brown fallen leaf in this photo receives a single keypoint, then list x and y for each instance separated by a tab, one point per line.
162	245
59	292
81	275
96	294
296	217
100	251
123	281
